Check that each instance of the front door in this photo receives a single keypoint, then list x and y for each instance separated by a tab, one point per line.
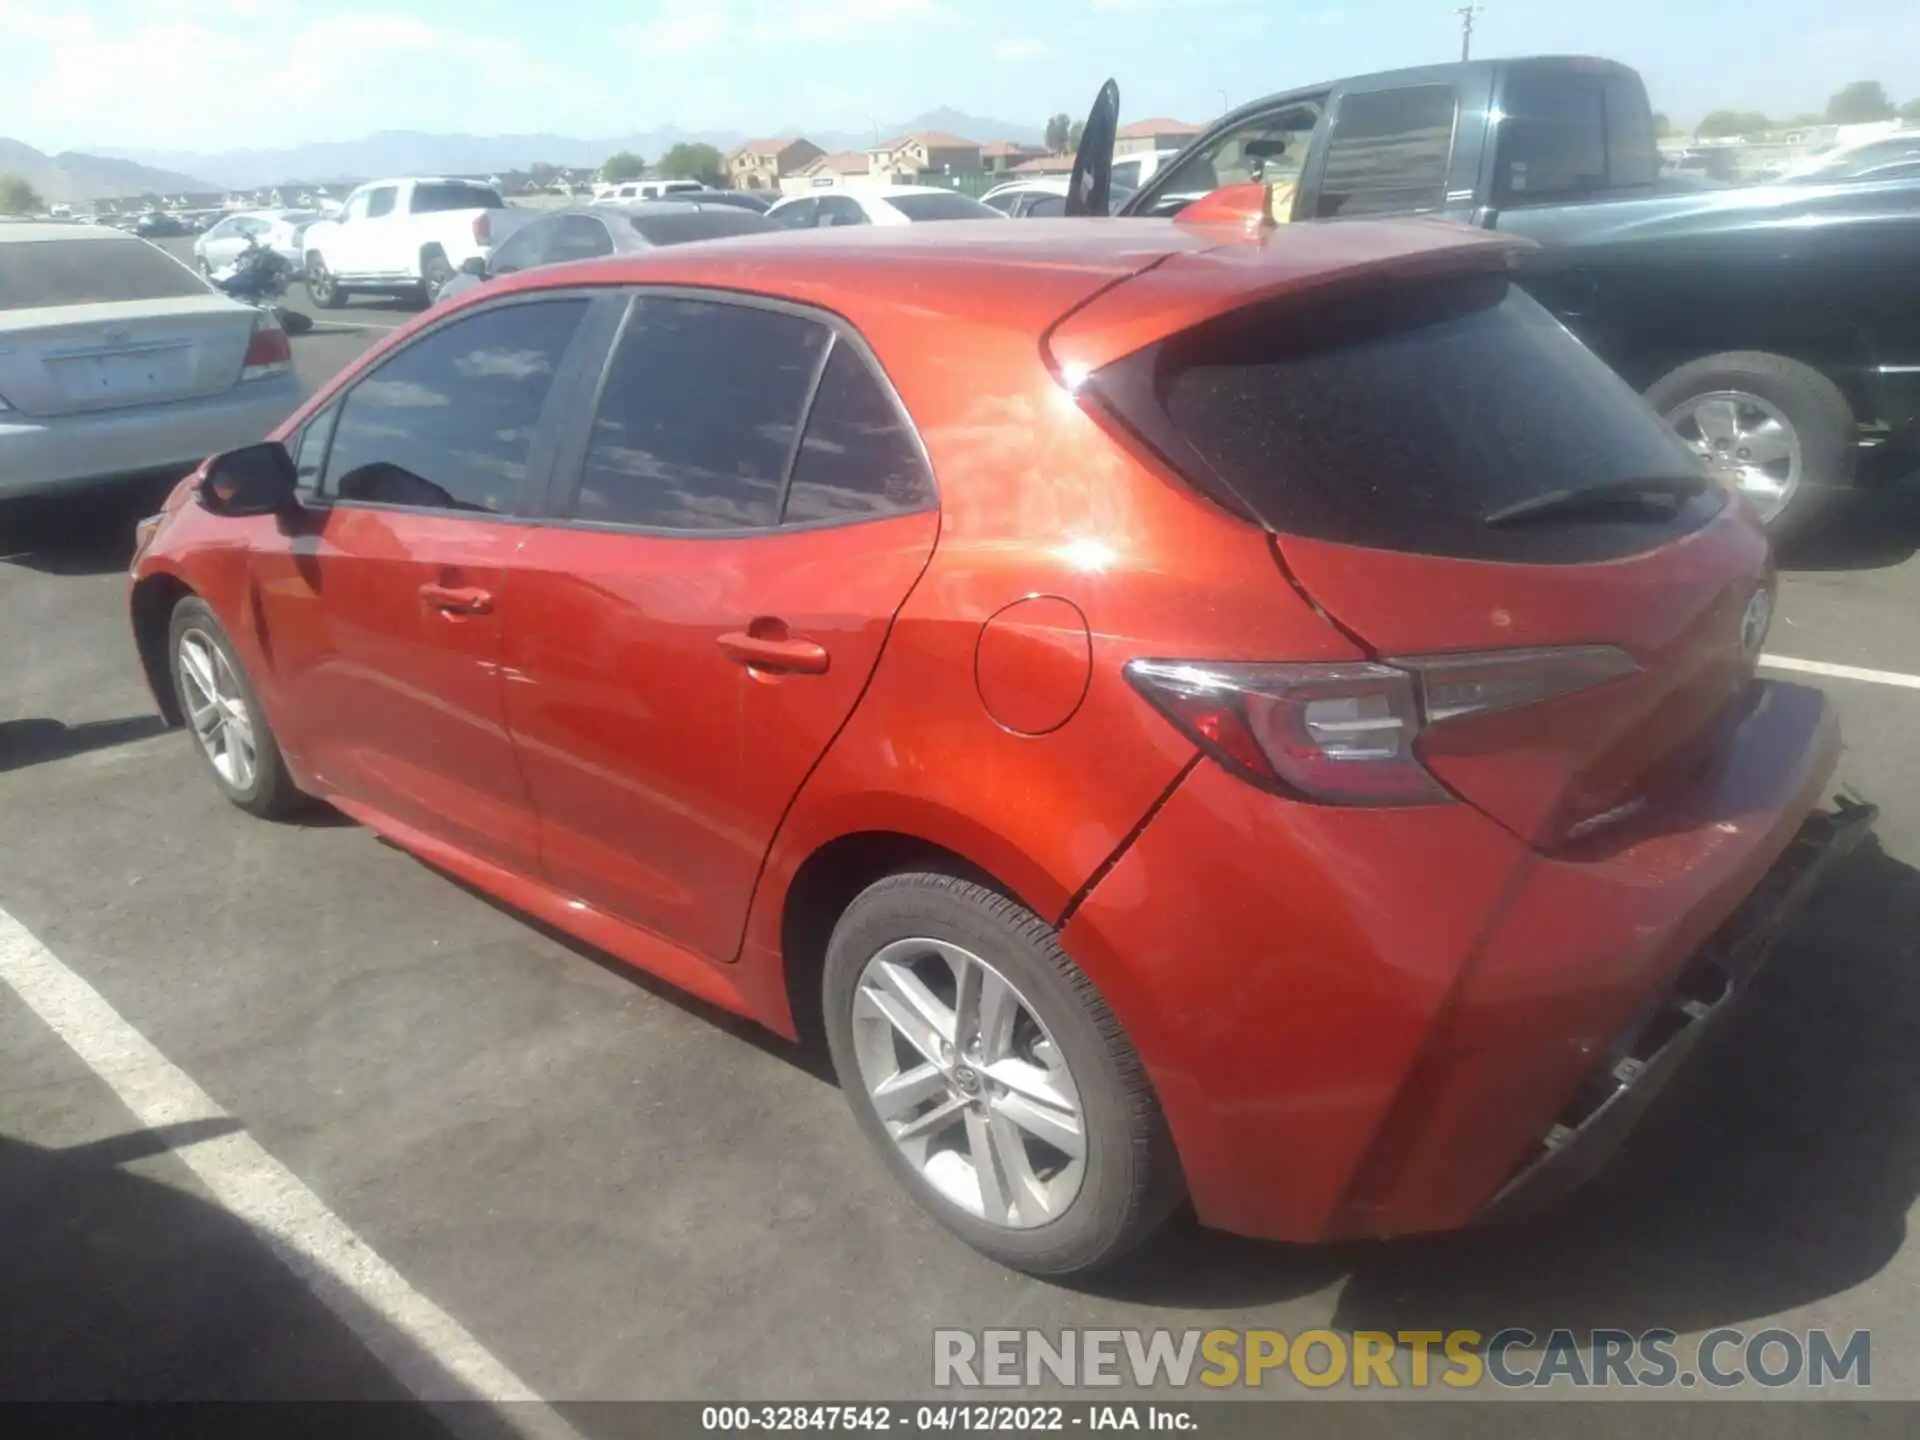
382	609
684	643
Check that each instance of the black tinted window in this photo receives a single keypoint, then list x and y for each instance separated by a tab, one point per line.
89	272
1388	152
578	237
942	207
310	454
858	459
380	202
429	199
698	415
839	210
448	421
1564	135
1402	418
798	215
711	224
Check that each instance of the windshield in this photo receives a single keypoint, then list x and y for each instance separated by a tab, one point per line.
37	273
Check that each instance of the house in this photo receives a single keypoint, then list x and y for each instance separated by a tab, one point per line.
1156	134
834	169
930	150
1044	165
763	164
1003	155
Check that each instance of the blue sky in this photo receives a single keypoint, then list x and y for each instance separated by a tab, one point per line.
228	74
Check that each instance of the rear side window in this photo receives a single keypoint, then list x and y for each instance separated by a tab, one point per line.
1401	418
448	422
698	416
430	199
858	460
941	207
34	273
1388	152
1564	136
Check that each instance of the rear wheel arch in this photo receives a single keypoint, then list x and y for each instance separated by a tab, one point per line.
152	603
828	881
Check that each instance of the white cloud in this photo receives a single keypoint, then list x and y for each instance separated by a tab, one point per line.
1017	48
734	23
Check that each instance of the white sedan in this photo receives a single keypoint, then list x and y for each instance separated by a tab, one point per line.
117	360
278	230
893	205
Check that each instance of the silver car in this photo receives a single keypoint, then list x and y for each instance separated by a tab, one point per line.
118	360
278	230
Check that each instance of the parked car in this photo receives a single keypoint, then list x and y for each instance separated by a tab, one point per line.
1020	199
281	231
155	226
589	232
739	199
405	236
962	642
891	205
117	360
1772	325
1888	157
630	190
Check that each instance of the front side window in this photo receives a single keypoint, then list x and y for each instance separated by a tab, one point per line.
839	210
798	215
310	452
858	459
698	415
380	202
1270	148
1388	152
449	421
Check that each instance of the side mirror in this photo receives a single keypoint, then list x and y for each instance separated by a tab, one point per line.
474	265
255	480
1090	190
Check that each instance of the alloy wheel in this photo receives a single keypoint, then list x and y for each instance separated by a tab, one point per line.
216	707
969	1083
1746	441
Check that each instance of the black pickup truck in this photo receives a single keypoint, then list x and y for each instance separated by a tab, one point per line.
1776	327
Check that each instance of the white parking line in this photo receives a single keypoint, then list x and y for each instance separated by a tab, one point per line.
424	1348
1842	672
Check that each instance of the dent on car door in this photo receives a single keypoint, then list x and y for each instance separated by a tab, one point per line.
382	606
684	644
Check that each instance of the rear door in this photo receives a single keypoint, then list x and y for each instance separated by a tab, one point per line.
98	322
739	524
382	604
377	245
1464	488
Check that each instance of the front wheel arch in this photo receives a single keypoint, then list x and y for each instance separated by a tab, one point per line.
152	605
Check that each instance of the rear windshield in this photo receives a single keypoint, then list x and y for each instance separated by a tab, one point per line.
34	273
427	199
1402	417
678	229
942	207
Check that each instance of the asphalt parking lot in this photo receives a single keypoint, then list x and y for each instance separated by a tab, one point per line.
609	1191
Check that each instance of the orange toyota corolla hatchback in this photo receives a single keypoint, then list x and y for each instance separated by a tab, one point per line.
1266	719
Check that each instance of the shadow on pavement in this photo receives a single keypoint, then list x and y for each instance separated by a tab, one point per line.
34	742
84	534
1777	1170
1871	530
122	1288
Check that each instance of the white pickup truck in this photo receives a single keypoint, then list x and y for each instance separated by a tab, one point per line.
401	235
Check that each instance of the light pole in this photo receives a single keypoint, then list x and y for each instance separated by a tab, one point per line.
1466	14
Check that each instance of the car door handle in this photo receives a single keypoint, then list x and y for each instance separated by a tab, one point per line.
458	600
778	653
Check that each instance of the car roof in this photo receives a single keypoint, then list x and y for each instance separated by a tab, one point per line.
887	192
1021	276
57	230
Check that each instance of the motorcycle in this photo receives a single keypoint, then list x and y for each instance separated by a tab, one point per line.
260	277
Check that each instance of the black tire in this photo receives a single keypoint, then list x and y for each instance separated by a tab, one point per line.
435	271
1132	1179
271	791
322	288
1820	416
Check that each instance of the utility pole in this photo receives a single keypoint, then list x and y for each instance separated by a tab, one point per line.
1466	14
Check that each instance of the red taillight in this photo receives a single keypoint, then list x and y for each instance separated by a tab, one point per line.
482	229
1345	733
268	352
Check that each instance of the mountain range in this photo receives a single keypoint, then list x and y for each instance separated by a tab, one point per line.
410	152
71	175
